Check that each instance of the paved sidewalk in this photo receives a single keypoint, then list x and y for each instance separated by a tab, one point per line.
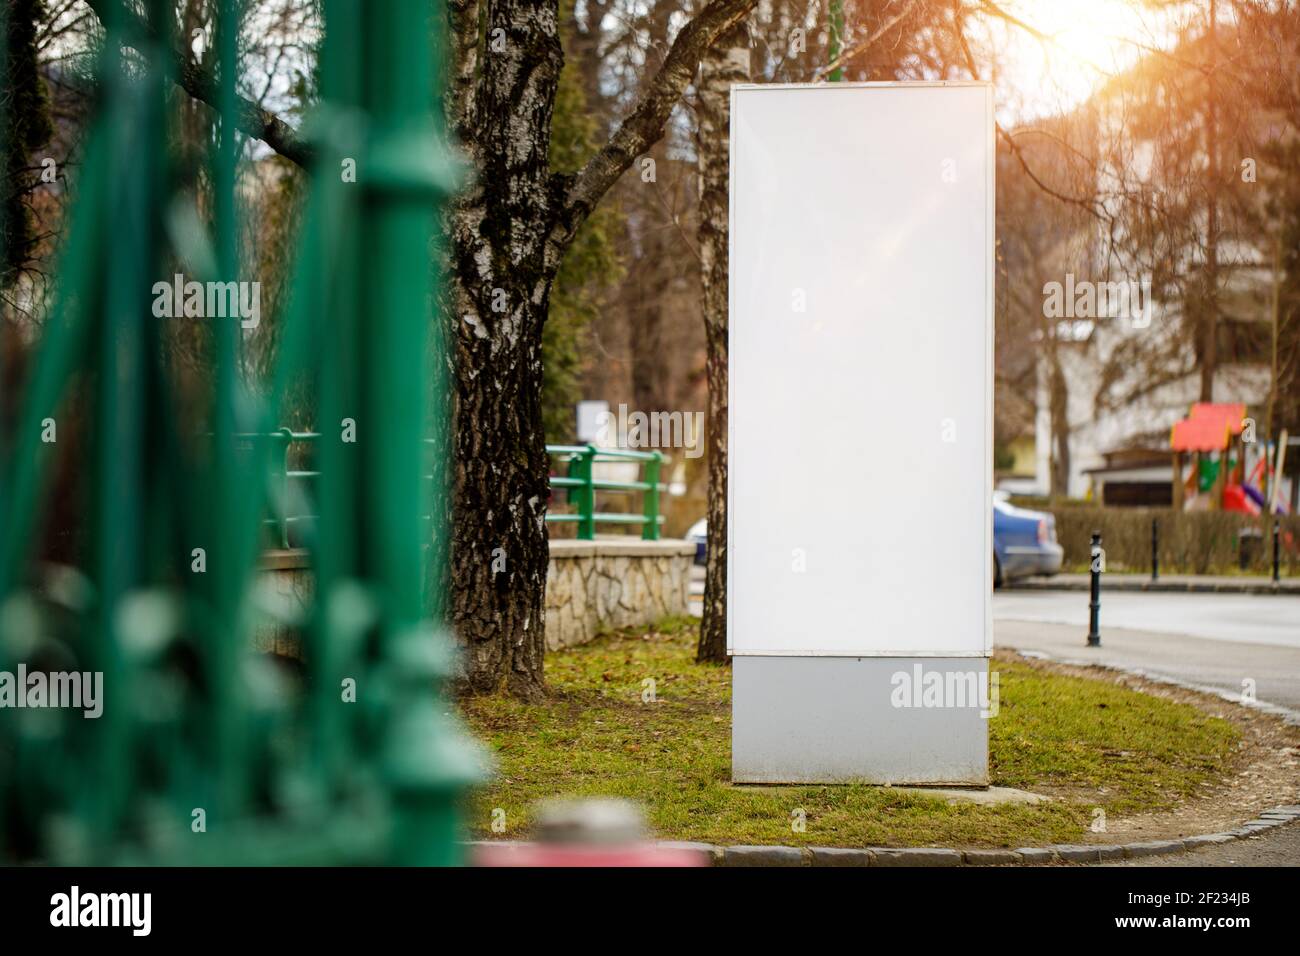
1231	618
1202	583
1215	666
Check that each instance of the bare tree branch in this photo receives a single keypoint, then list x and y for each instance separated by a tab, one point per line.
995	10
645	124
862	45
201	84
1091	206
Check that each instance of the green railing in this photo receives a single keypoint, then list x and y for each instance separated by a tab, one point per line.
206	751
580	484
286	481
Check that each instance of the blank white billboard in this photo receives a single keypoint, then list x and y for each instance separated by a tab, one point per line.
860	455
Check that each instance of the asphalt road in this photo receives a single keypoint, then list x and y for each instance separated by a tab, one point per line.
1279	847
1244	618
1229	643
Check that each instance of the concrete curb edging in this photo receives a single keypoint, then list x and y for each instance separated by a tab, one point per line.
1024	856
928	856
1176	584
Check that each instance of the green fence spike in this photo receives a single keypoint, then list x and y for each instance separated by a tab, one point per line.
204	753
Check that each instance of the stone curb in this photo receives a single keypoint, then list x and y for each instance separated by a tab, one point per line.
819	856
1287	586
1024	856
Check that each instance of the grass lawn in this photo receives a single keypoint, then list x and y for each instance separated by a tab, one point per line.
1086	743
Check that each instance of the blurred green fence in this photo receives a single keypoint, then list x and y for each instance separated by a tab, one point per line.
205	752
293	524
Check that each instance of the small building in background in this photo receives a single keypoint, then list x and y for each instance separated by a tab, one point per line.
1133	477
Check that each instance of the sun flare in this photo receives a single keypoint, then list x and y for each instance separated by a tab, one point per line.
1063	49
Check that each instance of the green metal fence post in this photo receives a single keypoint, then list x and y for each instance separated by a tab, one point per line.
406	175
650	530
284	488
586	495
369	780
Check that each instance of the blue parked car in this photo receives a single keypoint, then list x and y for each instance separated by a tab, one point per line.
1024	542
699	536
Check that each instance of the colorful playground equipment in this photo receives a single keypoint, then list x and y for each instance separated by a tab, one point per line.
1223	477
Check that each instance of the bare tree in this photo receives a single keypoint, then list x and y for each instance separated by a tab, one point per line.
726	63
509	232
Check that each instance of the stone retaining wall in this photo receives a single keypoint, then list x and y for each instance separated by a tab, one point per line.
613	583
590	585
285	590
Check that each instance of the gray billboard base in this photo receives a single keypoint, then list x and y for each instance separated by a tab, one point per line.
874	720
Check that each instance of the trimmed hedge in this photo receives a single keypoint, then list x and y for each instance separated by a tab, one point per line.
1203	542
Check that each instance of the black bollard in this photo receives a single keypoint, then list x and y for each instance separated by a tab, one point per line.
1094	603
1155	550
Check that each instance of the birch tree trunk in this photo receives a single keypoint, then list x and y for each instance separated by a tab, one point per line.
509	233
726	62
501	286
1059	409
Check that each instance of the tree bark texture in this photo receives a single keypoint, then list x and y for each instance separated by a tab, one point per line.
726	63
509	233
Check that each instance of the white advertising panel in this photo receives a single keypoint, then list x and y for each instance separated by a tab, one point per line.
860	444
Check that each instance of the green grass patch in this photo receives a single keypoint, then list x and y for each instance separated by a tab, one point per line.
1087	743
